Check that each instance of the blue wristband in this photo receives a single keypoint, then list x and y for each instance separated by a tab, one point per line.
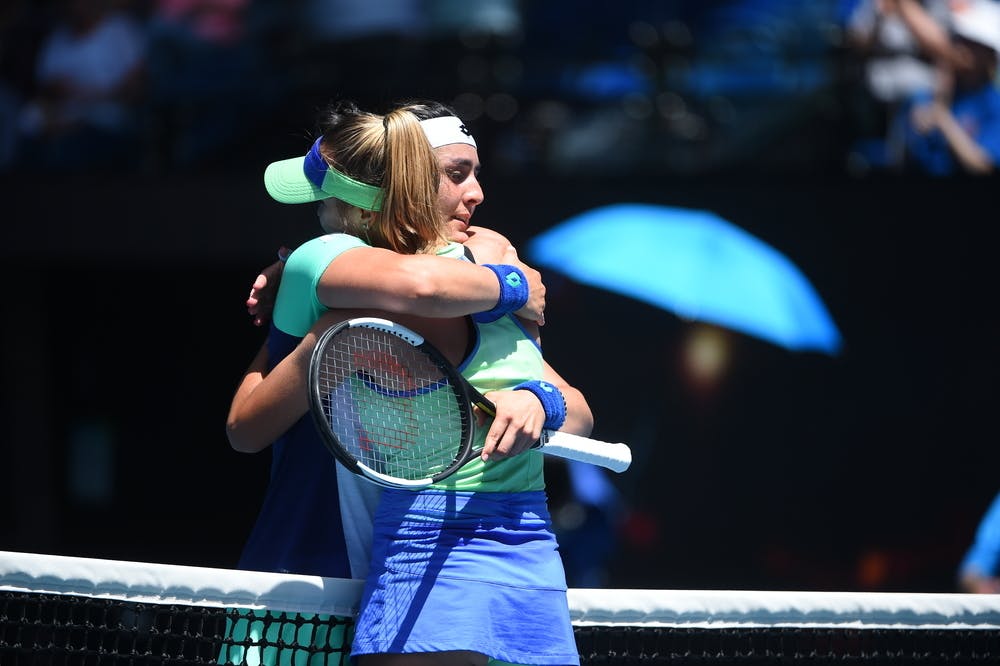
513	293
552	400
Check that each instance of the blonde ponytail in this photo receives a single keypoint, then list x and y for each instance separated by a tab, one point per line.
390	152
409	220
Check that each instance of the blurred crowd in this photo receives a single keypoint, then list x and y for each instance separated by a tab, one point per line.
686	87
930	74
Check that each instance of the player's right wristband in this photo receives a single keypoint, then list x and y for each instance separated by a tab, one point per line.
552	399
513	293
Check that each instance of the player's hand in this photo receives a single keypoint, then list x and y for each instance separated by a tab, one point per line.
516	427
534	309
264	290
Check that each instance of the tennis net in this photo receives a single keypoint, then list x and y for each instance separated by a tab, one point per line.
80	611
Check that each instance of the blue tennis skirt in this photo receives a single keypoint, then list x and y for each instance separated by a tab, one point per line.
466	571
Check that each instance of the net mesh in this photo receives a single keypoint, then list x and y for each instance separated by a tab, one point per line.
58	610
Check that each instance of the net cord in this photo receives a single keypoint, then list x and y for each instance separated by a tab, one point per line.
141	582
229	588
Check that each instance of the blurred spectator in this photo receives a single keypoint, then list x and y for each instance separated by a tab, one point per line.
979	571
956	129
894	69
89	82
205	56
895	66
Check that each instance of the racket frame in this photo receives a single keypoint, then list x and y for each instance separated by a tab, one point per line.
459	387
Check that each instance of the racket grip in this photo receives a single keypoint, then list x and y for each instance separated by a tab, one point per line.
614	456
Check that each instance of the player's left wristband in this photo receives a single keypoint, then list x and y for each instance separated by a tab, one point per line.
552	399
513	293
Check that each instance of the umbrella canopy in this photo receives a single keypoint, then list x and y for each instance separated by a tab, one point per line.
692	263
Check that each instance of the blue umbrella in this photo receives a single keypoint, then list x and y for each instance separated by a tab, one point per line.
692	263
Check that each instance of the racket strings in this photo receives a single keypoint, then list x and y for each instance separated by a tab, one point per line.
389	404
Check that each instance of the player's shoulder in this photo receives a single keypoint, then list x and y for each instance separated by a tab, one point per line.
486	243
484	234
322	249
338	239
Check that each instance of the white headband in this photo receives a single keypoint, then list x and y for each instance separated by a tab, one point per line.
446	130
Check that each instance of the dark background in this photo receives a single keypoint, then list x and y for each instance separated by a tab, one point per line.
125	332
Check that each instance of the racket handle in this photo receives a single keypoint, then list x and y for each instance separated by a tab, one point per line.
616	457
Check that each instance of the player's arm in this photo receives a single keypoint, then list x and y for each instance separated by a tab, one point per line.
267	403
419	284
579	418
265	406
422	285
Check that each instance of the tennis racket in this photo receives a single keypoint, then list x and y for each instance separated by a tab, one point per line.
391	408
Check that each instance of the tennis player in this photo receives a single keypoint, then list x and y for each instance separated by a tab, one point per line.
386	217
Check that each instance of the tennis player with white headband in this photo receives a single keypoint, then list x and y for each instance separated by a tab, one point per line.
391	253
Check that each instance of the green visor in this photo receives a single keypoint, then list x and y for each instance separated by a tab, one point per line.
310	178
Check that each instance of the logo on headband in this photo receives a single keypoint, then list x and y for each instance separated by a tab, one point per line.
445	130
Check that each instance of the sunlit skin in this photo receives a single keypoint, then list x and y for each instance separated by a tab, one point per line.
459	191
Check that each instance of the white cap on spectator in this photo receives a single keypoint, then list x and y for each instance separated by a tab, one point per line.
978	21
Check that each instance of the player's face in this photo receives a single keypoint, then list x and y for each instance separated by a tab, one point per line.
459	191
